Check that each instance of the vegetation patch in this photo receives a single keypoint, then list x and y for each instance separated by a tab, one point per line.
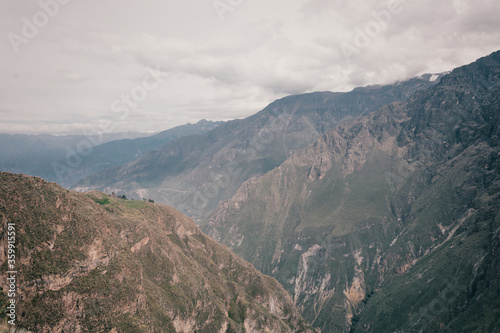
102	202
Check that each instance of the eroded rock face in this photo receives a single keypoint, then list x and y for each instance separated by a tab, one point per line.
93	263
369	224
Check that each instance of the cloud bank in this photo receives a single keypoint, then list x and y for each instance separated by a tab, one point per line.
215	63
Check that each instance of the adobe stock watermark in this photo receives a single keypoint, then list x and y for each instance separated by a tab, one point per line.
437	306
222	7
425	151
31	27
11	274
403	171
223	179
381	21
122	106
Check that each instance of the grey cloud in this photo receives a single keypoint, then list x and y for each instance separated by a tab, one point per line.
94	52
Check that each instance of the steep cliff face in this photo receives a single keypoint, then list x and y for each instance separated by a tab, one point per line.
390	222
194	174
93	263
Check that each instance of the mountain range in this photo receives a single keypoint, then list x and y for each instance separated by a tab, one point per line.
390	222
195	173
375	210
66	159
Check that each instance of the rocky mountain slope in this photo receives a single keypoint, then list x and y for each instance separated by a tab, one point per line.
93	263
194	174
67	159
388	223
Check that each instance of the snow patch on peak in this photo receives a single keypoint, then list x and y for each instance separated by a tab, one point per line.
433	77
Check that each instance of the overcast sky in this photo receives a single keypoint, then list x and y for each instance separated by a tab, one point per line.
151	65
